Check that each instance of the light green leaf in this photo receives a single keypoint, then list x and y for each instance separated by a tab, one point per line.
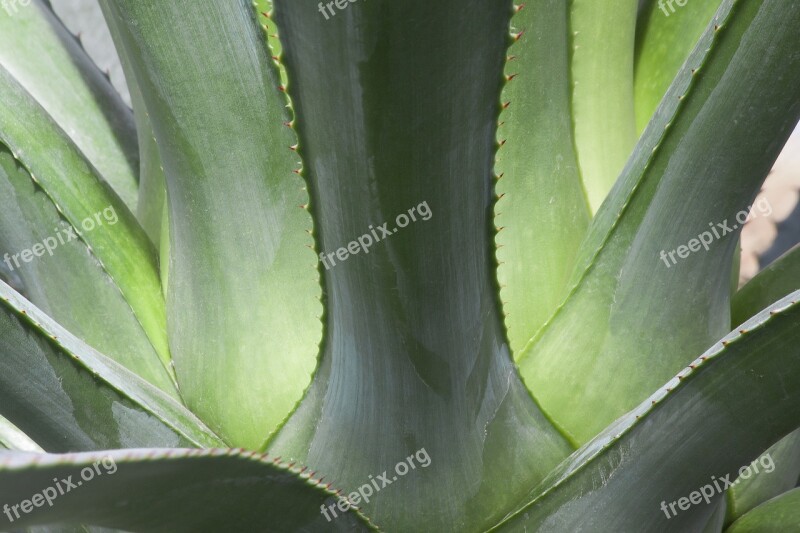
243	293
62	276
66	396
666	33
71	183
168	490
542	211
614	339
602	38
152	183
779	514
11	438
50	64
415	362
705	424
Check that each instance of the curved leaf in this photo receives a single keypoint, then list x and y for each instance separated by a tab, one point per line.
79	194
779	514
168	490
414	353
51	65
665	36
152	182
708	422
66	396
243	293
61	275
684	180
778	279
602	38
542	208
11	438
763	484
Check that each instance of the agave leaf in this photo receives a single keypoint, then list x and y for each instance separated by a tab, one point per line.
51	65
12	438
67	281
602	38
66	396
415	360
712	419
152	183
716	524
168	490
666	33
683	180
542	210
243	294
778	279
764	484
778	514
59	169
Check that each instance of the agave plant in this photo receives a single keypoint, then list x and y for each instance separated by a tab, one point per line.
417	266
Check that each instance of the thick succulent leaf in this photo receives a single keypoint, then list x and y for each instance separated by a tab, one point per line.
682	183
61	172
716	523
712	419
167	490
778	279
665	35
52	66
779	514
415	363
602	37
68	397
65	279
243	293
12	438
152	183
542	210
775	472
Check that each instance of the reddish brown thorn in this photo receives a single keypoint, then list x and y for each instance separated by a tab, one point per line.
281	88
505	106
519	35
502	142
511	58
520	8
